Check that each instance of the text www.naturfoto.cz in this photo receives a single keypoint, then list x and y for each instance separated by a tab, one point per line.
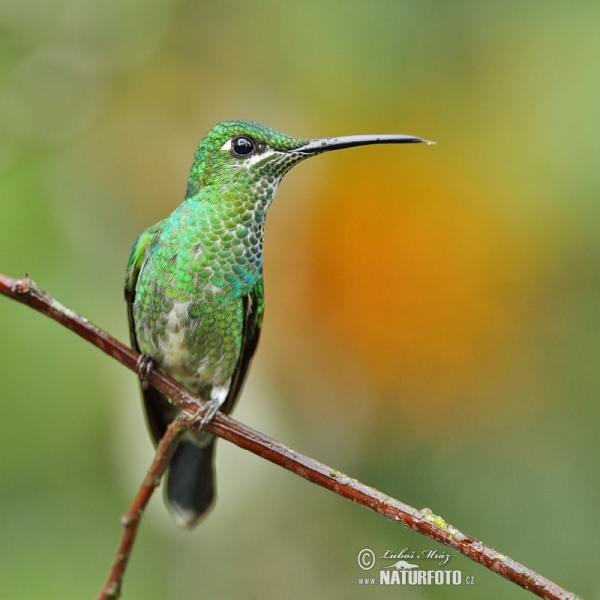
394	577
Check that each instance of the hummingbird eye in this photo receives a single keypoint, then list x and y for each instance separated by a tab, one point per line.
242	146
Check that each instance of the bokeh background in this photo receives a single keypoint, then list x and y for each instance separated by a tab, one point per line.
432	323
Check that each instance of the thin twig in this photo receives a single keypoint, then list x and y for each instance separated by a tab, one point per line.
423	521
131	521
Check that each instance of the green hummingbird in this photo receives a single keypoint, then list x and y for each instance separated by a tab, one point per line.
194	287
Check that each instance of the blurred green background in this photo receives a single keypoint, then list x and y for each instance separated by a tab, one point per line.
432	323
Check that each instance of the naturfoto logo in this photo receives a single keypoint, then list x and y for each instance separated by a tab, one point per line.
403	571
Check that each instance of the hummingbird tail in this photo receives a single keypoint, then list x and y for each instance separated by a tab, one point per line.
190	489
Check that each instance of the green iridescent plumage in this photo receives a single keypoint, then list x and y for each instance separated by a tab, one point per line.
194	285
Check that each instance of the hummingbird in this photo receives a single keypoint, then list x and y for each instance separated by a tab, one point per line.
194	288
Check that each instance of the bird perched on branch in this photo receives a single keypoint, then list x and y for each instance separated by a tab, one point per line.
194	287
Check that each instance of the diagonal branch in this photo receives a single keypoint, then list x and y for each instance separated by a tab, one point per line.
423	521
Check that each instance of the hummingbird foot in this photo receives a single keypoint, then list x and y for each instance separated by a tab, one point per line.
145	364
206	413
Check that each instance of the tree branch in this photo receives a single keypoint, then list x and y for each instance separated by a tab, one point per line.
423	521
131	521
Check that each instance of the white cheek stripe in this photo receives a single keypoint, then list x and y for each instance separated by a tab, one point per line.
256	158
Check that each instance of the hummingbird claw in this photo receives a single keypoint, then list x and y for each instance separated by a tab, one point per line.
145	364
206	413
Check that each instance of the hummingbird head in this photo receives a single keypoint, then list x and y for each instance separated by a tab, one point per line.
241	153
246	156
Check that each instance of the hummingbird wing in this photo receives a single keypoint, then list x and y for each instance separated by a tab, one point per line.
254	304
159	411
137	259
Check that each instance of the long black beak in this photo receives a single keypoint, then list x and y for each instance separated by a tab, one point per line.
349	141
